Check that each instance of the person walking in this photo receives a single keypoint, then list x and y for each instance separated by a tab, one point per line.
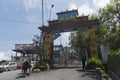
26	66
83	59
65	61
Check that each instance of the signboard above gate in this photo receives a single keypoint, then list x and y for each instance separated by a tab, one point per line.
67	15
69	21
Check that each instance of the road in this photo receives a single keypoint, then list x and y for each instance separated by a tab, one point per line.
56	74
9	75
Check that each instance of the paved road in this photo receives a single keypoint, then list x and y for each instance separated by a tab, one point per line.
9	75
56	74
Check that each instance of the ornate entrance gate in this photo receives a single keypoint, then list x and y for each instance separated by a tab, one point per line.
67	21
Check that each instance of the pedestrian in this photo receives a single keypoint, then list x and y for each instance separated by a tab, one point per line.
26	66
72	57
83	59
65	61
23	67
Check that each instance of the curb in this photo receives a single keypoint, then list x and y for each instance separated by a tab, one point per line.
104	75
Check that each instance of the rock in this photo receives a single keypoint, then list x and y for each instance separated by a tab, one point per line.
36	70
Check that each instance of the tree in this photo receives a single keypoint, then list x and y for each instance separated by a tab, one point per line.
109	17
84	40
108	30
77	40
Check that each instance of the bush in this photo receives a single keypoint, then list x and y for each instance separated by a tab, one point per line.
1	70
93	63
114	53
41	66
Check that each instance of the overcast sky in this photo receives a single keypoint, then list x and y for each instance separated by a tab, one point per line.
20	19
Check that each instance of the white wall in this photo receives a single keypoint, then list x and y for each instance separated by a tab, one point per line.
104	53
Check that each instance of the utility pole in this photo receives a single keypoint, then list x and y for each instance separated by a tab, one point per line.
42	13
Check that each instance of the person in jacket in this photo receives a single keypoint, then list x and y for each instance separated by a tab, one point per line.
26	66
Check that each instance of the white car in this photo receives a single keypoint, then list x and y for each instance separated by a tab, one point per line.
9	66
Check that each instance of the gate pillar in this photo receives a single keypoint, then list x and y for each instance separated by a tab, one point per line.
48	48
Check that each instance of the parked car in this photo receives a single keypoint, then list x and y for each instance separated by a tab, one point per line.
9	66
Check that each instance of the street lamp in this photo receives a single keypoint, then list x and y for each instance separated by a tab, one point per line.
51	11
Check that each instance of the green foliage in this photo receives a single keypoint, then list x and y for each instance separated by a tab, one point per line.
109	15
77	39
2	69
95	62
109	28
113	39
115	52
82	39
40	65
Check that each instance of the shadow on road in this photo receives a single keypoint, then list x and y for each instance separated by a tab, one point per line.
94	75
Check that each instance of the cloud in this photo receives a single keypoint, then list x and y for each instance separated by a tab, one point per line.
85	9
31	4
100	3
6	55
2	55
63	39
88	7
73	6
31	19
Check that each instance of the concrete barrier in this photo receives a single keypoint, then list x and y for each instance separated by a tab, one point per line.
104	75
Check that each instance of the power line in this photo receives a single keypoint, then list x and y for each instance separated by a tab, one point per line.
16	21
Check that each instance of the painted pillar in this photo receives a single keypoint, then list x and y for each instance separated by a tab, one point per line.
93	46
48	48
